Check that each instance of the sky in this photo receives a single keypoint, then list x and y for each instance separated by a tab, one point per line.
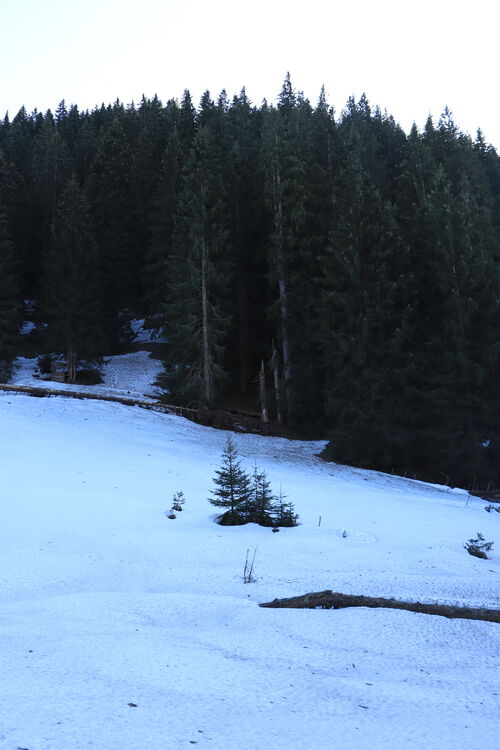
412	59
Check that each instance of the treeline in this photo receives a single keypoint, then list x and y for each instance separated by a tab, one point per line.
355	266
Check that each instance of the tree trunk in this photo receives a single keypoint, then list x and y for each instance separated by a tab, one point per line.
242	308
71	361
243	328
274	365
282	286
207	363
263	394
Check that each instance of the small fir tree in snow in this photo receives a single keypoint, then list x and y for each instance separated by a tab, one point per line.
178	501
232	486
284	512
260	505
478	547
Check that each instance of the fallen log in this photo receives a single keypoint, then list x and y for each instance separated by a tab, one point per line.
213	418
125	400
333	600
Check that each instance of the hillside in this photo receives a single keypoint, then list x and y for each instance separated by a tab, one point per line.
347	266
120	628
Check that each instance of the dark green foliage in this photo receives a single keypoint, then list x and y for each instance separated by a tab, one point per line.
246	238
164	202
89	373
113	215
9	302
284	512
52	169
364	277
178	143
418	357
478	547
72	289
259	507
248	499
365	260
15	198
178	501
285	155
44	363
195	318
232	485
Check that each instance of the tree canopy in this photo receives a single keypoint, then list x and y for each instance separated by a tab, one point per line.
361	261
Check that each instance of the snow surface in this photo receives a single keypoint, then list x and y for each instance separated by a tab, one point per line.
131	375
142	334
123	630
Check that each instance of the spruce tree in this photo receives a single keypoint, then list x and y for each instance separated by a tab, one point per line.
363	305
286	156
51	169
15	198
259	507
72	301
232	486
163	203
147	150
449	400
247	237
284	512
112	211
369	258
179	132
9	302
195	318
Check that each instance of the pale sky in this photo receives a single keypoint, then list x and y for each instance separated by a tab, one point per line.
411	58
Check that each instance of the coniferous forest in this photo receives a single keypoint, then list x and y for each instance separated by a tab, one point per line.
355	266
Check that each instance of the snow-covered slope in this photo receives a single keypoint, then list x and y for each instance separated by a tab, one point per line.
131	375
123	630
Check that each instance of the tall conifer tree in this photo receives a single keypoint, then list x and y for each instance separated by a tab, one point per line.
284	153
196	323
72	292
110	193
9	302
363	305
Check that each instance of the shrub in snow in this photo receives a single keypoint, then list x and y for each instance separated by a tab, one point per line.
491	507
478	547
231	518
248	570
178	501
45	363
89	374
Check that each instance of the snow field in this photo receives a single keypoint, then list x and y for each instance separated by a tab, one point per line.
106	602
131	375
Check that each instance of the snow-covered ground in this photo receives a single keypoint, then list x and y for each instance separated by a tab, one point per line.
131	375
123	630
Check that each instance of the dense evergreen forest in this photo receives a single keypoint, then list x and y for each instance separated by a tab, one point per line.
354	266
